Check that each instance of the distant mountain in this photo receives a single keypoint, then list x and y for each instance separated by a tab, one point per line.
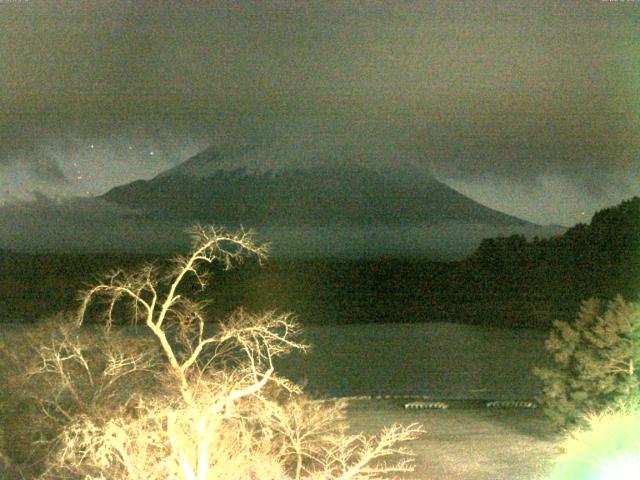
334	208
205	189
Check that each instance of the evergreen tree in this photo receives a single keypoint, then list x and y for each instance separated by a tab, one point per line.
597	360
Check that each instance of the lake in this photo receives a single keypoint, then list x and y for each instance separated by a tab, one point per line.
438	360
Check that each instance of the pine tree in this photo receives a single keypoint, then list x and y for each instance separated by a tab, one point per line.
596	357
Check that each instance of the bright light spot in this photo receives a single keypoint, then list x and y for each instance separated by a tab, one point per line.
623	468
92	145
130	147
150	153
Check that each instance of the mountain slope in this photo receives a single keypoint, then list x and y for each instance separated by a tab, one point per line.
322	195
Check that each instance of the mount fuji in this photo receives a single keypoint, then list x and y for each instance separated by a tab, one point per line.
209	189
335	207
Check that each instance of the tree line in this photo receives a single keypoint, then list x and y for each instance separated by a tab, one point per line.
599	259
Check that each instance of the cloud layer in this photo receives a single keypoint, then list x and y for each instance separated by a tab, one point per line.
518	96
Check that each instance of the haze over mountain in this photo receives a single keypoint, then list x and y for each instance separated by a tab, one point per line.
335	207
329	204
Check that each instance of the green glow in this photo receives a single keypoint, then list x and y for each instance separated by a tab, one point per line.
623	468
608	449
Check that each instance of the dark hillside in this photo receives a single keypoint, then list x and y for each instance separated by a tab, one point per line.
599	259
315	196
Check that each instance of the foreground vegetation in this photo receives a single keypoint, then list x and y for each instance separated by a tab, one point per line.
596	361
593	391
606	447
81	398
184	402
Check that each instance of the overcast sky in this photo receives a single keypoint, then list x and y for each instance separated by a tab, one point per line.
532	108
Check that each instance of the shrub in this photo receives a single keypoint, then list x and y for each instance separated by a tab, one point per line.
221	411
596	361
606	448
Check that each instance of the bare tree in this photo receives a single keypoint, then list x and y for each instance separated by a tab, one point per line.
232	416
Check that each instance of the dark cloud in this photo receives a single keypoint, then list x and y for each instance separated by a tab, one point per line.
27	152
48	169
85	225
512	93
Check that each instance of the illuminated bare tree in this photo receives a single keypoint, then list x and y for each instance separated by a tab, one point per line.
232	416
157	308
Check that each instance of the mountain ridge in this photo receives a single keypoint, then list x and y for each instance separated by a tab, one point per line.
320	194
